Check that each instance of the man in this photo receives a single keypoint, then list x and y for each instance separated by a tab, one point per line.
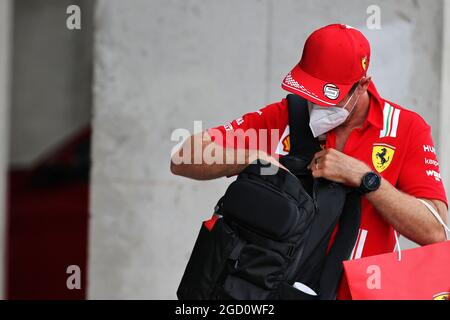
362	134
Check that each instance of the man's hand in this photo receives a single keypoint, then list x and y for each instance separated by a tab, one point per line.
336	166
399	209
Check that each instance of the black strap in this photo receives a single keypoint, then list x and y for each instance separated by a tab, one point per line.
303	143
316	270
342	246
331	199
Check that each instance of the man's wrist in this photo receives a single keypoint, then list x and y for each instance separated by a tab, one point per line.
370	182
358	176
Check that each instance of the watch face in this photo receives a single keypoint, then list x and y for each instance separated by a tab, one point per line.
372	181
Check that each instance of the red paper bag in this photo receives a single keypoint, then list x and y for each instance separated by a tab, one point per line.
421	274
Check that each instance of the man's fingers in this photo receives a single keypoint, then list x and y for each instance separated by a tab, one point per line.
318	173
313	165
318	158
319	154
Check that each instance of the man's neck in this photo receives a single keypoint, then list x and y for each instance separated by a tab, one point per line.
359	114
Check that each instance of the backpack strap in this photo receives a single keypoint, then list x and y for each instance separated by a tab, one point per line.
302	141
342	246
303	145
337	203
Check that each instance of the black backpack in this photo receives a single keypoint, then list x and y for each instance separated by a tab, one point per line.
271	231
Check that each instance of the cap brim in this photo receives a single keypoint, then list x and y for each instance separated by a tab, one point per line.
317	91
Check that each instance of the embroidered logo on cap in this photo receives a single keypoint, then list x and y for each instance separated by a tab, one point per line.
364	63
331	91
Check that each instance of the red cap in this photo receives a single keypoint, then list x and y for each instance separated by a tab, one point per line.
334	58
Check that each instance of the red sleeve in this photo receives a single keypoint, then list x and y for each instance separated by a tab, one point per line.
420	174
255	130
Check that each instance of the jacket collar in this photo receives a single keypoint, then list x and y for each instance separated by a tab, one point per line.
375	115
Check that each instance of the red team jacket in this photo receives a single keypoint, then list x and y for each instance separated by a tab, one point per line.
394	141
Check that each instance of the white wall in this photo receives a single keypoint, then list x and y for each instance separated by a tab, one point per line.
51	92
444	140
160	65
5	30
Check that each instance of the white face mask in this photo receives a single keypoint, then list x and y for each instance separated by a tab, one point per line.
324	119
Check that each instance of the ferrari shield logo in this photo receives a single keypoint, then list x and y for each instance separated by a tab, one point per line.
286	144
364	63
382	155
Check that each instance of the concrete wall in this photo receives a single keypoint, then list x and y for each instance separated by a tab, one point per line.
5	54
160	65
51	95
445	101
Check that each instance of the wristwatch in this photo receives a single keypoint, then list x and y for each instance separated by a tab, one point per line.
370	182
